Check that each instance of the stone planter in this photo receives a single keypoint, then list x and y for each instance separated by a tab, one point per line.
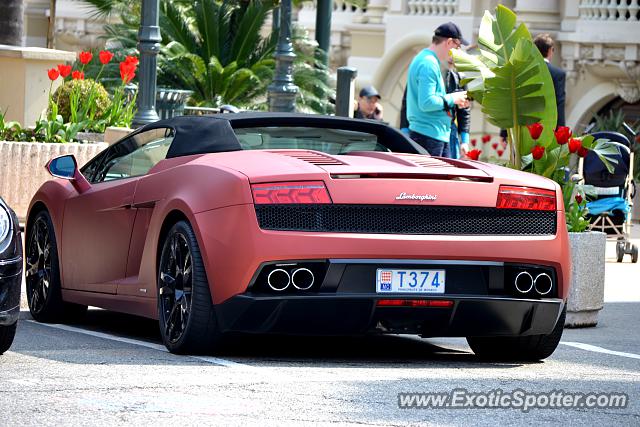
22	168
114	134
586	297
89	137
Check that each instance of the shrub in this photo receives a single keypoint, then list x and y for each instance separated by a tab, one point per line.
62	94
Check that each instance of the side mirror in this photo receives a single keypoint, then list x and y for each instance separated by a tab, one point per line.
63	167
66	167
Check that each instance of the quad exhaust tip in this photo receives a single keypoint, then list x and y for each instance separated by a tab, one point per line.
279	279
543	284
524	282
302	279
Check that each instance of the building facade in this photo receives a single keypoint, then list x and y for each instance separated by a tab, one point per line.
598	44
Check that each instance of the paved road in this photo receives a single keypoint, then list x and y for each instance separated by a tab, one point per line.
111	369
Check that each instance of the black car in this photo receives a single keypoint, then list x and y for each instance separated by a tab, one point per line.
10	275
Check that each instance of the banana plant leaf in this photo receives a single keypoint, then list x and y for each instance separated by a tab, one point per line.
521	90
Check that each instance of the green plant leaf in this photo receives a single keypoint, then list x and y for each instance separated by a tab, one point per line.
606	152
474	72
504	102
521	91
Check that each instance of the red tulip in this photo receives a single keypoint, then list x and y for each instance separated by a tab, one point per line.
500	153
132	60
53	74
583	151
127	71
65	70
562	133
494	145
474	142
538	152
578	198
535	130
77	75
474	154
574	145
486	138
85	57
105	57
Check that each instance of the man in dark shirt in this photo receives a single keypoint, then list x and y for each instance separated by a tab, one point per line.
546	46
460	117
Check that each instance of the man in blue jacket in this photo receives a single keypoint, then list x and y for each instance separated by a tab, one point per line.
428	104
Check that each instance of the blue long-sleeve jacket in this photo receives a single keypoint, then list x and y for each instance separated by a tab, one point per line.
426	97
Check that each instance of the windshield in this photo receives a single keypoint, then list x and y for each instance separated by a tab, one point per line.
330	141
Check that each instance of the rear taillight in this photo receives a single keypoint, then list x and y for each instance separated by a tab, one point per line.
526	198
302	192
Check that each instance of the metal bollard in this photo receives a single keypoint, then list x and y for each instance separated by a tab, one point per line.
345	91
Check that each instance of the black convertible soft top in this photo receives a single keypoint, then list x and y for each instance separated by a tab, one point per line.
215	133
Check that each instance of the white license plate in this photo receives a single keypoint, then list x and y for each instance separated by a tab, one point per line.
410	281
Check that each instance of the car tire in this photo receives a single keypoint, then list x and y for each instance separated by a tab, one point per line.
7	333
528	348
186	314
42	275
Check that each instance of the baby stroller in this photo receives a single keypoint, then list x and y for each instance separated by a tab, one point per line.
610	211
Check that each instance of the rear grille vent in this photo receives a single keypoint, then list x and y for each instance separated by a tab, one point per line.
313	157
424	161
383	219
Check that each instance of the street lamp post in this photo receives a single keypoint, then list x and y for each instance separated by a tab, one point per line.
282	91
323	27
149	46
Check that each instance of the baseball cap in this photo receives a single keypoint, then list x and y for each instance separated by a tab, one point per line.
369	91
450	30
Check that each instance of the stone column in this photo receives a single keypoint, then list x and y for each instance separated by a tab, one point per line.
24	84
376	10
539	15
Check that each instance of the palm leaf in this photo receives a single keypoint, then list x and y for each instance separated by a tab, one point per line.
205	13
238	83
175	26
248	31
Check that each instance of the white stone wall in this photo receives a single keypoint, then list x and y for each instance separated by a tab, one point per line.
22	169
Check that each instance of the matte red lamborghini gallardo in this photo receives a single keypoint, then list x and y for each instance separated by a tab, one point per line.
297	224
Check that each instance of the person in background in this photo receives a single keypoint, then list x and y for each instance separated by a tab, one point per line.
429	106
461	117
404	122
369	106
546	46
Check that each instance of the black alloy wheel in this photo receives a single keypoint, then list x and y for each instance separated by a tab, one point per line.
176	287
38	266
185	310
42	274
